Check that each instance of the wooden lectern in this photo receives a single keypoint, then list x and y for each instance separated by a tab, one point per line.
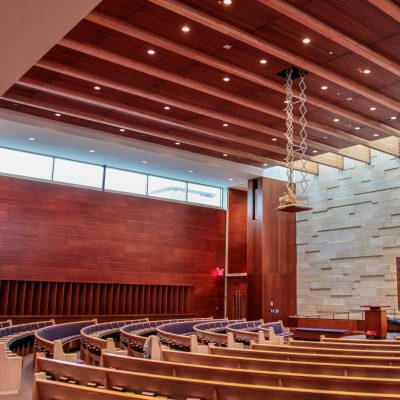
375	320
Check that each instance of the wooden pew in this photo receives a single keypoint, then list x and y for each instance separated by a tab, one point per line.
101	337
183	388
348	344
395	352
54	340
254	377
329	358
5	324
45	389
10	374
360	341
338	369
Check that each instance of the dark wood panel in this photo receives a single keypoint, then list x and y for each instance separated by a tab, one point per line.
29	292
59	233
271	253
398	279
237	231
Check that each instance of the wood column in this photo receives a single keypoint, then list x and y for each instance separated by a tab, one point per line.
271	253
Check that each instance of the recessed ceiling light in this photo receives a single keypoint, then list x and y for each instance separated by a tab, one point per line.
315	151
227	2
263	61
144	162
349	98
185	29
167	108
151	52
338	94
372	108
227	46
96	87
230	179
92	151
376	134
177	143
225	155
306	40
122	130
366	71
31	139
190	170
265	164
274	139
331	52
325	137
393	117
57	114
227	79
225	125
336	120
357	128
349	125
324	87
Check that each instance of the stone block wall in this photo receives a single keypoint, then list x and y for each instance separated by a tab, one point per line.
348	243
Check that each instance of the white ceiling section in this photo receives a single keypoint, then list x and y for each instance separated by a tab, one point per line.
30	28
73	142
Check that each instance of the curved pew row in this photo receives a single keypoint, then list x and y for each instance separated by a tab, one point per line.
248	332
181	336
180	388
99	337
349	344
360	341
19	339
135	337
309	367
328	358
393	352
15	340
54	340
5	324
214	332
252	377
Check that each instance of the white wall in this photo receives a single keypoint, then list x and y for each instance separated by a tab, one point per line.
347	245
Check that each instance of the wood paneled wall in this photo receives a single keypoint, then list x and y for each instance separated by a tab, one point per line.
398	280
51	232
237	231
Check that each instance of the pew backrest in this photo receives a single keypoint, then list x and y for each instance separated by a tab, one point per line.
256	377
181	388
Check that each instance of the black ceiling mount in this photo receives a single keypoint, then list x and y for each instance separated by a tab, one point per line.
295	73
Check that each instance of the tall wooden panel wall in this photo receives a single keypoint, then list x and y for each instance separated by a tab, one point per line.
271	253
57	233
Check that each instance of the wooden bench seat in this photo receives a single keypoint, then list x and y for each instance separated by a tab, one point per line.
309	367
270	378
183	388
329	358
327	350
348	344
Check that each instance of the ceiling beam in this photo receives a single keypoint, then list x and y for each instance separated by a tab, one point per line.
126	62
195	55
333	34
312	167
334	161
143	114
261	44
388	7
106	82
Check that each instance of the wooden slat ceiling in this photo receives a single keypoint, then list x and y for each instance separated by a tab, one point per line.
177	97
